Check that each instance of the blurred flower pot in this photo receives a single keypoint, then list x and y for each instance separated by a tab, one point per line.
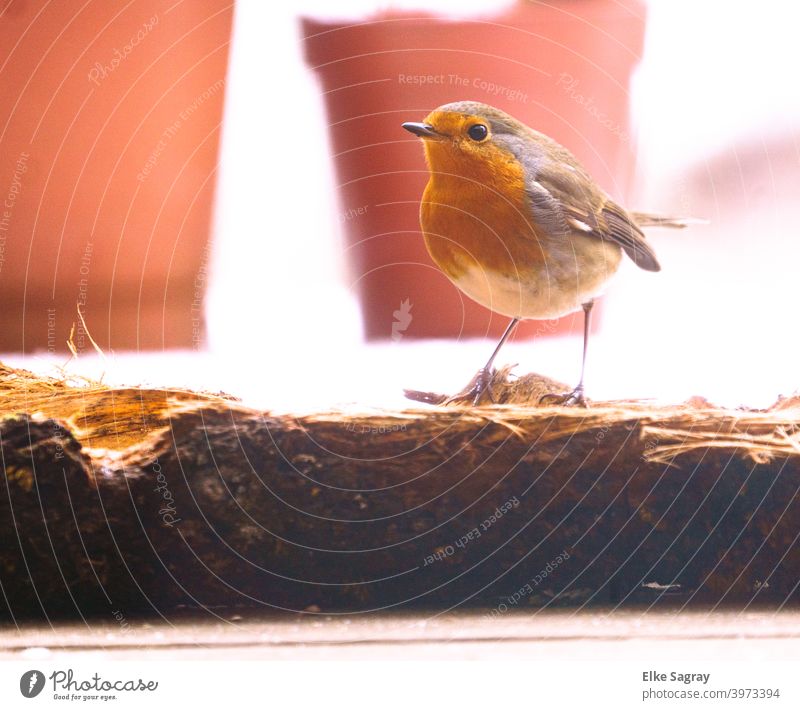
112	116
563	68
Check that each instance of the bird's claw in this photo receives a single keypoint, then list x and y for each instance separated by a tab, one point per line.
478	386
576	398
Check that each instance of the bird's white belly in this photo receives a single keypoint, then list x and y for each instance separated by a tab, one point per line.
576	271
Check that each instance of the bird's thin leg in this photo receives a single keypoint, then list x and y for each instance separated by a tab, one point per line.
510	329
587	319
577	396
482	382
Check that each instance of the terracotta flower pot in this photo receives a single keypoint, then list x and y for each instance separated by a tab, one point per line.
111	119
563	68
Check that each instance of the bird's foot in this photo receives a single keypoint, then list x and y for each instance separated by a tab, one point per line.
576	398
479	387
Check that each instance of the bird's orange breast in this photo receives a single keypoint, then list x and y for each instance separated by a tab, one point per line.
477	216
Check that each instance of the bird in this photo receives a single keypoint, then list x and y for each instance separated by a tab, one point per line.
515	222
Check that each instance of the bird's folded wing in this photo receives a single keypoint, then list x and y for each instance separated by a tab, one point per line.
625	232
565	201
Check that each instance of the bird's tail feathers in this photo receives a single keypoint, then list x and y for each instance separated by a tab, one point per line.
645	219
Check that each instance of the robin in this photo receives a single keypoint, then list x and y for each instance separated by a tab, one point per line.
515	222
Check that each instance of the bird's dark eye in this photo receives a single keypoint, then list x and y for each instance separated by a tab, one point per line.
478	132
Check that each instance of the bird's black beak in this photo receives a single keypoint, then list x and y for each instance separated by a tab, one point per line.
423	130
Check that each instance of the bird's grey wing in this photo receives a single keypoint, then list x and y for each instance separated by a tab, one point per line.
548	213
624	231
564	200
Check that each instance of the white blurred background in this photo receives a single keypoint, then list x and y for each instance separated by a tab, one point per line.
716	110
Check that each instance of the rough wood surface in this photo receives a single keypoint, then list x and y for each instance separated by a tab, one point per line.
147	500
